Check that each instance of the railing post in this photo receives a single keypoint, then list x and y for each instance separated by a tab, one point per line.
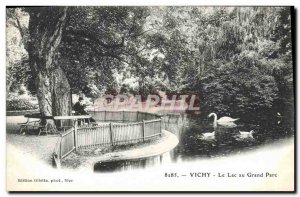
60	123
123	115
160	129
137	116
105	116
75	135
60	149
111	134
143	130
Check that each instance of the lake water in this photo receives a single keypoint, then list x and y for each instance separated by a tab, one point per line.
196	141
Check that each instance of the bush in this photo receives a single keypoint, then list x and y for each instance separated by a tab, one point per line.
240	87
19	104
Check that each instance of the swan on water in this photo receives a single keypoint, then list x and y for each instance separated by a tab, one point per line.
222	121
246	134
207	136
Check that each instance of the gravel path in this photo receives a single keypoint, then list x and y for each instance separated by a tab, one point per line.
30	144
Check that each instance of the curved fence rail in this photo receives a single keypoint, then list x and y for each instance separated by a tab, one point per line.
122	116
123	128
89	137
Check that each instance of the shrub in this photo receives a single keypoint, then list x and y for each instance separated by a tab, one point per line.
19	104
240	87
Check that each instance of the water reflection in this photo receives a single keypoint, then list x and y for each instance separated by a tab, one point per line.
124	165
199	139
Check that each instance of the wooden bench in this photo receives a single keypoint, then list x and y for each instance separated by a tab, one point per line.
39	125
28	124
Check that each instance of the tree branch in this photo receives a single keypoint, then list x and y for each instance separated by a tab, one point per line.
20	27
55	38
116	57
90	37
142	33
94	48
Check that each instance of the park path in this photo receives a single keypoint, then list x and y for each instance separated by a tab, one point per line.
40	147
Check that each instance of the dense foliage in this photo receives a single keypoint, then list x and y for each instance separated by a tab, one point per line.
237	60
19	104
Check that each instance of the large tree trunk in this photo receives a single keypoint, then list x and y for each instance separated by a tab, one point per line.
9	82
53	90
61	93
54	94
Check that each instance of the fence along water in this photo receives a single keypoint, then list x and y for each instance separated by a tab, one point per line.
114	128
122	116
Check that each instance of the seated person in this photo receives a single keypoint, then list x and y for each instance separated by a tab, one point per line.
79	109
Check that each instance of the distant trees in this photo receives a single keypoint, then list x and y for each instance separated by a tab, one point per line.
236	59
248	59
16	55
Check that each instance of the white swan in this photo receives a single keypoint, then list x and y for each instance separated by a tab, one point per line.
245	134
208	135
222	121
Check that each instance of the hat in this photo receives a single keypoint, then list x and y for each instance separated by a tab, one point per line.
80	98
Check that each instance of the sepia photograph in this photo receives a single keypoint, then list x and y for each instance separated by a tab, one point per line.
150	98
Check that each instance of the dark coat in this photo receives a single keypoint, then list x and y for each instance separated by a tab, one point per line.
79	109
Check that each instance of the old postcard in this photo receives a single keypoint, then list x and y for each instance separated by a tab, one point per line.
150	98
